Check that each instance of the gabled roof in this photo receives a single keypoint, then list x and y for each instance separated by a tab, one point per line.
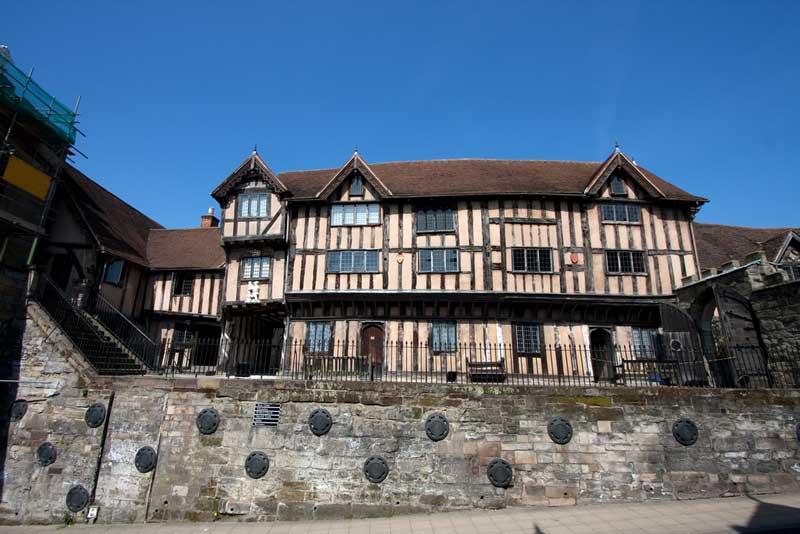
185	248
119	228
354	164
719	243
251	167
481	177
618	160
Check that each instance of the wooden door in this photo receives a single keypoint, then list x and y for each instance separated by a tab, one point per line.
743	350
372	345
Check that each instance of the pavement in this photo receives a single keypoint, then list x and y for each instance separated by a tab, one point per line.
771	514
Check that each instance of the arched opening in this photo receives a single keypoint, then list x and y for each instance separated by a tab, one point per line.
372	348
602	346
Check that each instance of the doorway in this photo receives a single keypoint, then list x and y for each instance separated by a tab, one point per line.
602	349
372	349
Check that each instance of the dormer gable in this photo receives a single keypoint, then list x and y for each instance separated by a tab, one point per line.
354	174
618	173
252	168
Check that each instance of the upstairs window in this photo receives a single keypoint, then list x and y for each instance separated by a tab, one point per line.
527	339
438	260
256	268
435	220
318	337
352	261
355	214
182	283
621	212
444	336
253	205
618	187
113	272
532	260
625	262
356	186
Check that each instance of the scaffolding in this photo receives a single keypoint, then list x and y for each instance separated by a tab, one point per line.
25	96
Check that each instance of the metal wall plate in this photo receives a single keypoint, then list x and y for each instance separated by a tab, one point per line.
208	421
320	422
559	430
437	427
46	454
685	432
500	473
95	415
145	460
376	469
77	499
256	465
266	414
18	409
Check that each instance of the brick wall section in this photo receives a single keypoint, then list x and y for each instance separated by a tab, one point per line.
622	448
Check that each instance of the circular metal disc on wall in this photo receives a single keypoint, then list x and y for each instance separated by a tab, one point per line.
437	427
256	465
500	473
685	431
145	460
95	415
208	421
376	469
559	430
46	454
77	499
18	409
320	422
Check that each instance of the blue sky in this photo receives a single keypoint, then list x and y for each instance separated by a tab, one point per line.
175	94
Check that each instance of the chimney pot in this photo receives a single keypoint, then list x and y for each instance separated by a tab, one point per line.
209	220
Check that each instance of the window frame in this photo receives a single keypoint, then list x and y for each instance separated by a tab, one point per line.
122	271
537	328
436	345
649	342
424	214
312	334
445	260
617	192
246	198
339	253
629	207
631	254
179	280
356	179
252	258
344	214
527	251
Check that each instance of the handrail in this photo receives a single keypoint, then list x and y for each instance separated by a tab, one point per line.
126	331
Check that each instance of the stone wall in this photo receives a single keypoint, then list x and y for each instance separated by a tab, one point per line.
778	310
622	447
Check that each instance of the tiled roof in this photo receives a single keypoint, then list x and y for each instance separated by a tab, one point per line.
185	248
720	243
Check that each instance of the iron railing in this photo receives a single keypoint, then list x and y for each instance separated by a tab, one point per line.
126	331
738	367
102	352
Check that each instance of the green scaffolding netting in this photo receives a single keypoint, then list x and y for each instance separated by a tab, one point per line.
27	96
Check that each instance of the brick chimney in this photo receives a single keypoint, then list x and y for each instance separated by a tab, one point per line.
208	220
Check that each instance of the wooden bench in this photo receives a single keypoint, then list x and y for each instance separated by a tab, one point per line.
487	371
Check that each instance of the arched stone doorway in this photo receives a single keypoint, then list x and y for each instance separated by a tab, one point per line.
602	347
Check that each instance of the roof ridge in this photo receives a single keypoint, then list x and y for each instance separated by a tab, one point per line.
453	159
162	229
782	228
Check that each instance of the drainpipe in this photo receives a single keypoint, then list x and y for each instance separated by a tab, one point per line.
102	448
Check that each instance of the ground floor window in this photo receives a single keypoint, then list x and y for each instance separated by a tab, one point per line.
645	342
444	336
527	339
318	337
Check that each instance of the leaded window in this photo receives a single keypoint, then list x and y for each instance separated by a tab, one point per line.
356	186
182	283
645	342
618	187
253	205
438	260
256	267
352	261
444	336
621	212
532	260
318	336
527	338
435	220
355	214
625	262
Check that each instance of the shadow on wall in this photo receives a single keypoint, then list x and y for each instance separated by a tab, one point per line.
11	331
